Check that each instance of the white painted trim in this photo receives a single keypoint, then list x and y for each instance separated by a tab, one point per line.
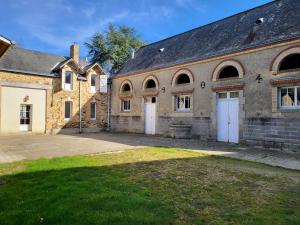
25	85
5	40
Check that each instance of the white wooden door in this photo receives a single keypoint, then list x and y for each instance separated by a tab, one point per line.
222	120
233	116
150	118
228	117
25	117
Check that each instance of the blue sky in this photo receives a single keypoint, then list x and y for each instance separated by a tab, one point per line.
52	25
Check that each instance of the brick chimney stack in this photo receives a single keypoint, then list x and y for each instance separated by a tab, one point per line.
74	52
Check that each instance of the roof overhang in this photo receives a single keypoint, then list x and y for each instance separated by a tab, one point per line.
95	66
71	62
4	45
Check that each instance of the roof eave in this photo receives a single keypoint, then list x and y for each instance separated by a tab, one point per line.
29	72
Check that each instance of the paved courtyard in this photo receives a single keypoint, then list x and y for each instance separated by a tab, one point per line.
31	146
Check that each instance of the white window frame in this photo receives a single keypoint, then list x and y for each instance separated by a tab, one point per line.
93	87
125	109
296	104
71	110
95	111
184	99
68	86
103	87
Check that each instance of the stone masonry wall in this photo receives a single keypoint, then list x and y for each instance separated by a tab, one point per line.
281	133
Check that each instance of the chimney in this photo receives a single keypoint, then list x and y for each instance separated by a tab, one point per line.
74	52
132	53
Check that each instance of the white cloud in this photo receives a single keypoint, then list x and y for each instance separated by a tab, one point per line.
191	4
59	25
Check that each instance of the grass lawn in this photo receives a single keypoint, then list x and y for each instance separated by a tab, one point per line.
148	186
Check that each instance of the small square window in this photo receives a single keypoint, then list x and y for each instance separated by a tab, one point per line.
222	95
183	103
289	98
126	105
153	99
234	94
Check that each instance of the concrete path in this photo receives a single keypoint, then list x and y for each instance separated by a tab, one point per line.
30	146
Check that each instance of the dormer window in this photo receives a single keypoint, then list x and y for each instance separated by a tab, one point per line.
93	83
68	80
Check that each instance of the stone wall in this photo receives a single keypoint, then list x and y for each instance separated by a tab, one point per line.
131	124
257	97
273	132
57	120
200	127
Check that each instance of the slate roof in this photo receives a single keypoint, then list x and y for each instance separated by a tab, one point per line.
37	63
32	62
233	34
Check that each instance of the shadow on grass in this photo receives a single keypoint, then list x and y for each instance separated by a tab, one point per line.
198	190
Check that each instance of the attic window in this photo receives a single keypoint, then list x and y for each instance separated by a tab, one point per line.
259	21
229	72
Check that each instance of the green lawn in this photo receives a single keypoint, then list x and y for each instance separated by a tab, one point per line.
148	186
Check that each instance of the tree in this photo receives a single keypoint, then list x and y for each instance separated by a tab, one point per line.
113	47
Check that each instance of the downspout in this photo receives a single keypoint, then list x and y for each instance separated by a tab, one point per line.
108	103
80	116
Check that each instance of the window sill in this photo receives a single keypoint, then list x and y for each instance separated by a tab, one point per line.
289	109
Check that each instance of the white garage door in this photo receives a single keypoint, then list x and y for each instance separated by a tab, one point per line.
228	117
23	109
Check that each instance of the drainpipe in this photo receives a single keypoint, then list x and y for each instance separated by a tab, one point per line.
80	79
80	116
108	102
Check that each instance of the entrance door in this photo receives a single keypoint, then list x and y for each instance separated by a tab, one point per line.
150	116
25	118
228	117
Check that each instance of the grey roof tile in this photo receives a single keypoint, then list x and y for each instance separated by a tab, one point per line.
28	61
236	33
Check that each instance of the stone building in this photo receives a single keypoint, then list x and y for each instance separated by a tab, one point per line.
234	80
45	93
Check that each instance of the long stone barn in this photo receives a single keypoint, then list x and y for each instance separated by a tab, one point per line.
45	93
235	80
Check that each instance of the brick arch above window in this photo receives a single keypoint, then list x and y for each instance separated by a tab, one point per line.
147	79
275	65
235	63
180	72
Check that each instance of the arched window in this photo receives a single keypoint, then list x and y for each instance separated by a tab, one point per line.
126	88
290	62
228	72
183	79
150	84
